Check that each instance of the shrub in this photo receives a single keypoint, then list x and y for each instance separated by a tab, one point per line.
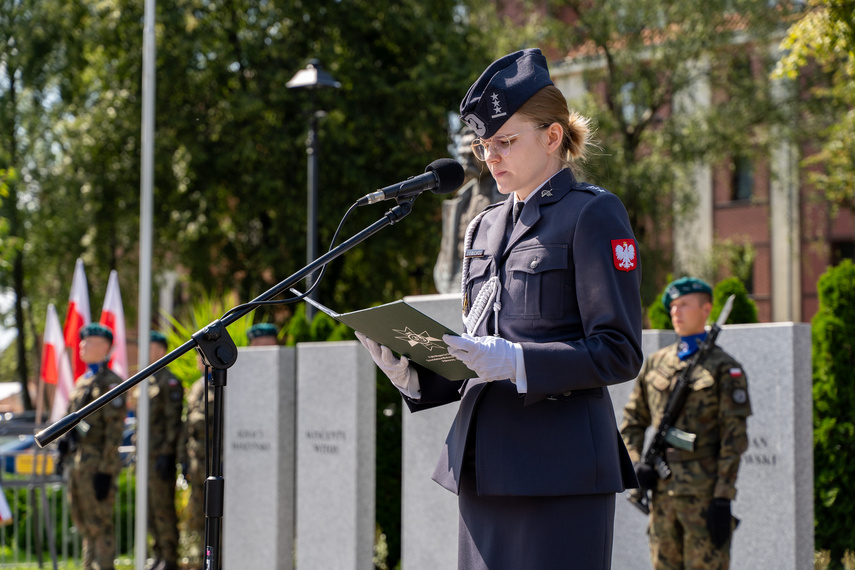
833	331
744	308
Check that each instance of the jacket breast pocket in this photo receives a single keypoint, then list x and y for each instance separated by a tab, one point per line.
535	282
478	275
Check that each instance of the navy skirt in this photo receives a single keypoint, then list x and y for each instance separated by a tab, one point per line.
542	533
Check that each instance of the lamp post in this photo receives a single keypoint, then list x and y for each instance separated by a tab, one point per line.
312	78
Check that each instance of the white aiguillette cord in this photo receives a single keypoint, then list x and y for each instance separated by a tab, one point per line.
486	296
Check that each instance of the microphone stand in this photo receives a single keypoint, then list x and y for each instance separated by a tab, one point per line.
219	352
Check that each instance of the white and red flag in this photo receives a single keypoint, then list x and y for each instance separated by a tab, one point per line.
56	369
78	315
113	317
5	511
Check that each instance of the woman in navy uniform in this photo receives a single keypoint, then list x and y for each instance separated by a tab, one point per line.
552	310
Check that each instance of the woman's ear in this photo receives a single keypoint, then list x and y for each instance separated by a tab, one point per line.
554	137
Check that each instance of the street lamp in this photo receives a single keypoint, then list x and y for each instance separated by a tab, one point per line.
312	78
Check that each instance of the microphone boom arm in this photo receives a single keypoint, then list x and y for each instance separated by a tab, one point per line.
65	424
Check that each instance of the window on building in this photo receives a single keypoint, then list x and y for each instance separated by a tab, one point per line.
841	250
742	181
749	280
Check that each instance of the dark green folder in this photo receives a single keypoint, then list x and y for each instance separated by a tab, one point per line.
407	331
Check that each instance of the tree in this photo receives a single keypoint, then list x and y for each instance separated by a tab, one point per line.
646	62
833	332
28	62
240	189
821	51
230	158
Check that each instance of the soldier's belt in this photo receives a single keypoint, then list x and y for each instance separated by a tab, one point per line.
672	455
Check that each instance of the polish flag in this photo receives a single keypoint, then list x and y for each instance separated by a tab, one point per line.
56	369
76	317
113	317
5	511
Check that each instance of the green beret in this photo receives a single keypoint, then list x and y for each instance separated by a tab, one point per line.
684	286
96	329
261	329
157	336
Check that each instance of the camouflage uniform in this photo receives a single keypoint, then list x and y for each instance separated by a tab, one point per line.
97	455
716	411
194	441
166	402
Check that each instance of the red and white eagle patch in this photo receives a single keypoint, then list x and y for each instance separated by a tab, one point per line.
625	254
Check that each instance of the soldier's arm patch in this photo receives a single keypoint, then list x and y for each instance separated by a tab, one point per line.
739	395
735	372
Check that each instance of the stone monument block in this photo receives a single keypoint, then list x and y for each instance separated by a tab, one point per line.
336	406
429	512
258	459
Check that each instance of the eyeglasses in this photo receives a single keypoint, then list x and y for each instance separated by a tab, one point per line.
500	144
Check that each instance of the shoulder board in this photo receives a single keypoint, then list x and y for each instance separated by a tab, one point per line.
589	188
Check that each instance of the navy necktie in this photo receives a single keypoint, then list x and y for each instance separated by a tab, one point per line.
517	209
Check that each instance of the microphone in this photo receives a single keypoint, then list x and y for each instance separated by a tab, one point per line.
441	176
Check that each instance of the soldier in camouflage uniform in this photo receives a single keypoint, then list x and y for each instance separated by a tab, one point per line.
690	517
95	463
166	402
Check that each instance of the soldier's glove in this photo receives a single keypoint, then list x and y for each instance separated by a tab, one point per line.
164	466
719	521
490	357
404	377
101	483
647	475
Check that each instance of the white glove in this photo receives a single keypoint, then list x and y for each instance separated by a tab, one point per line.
399	371
490	357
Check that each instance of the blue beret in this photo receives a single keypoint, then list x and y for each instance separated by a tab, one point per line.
261	329
96	329
684	286
157	336
504	86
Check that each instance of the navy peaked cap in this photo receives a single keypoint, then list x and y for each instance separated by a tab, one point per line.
502	89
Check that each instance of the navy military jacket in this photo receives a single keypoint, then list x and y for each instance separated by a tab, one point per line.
570	281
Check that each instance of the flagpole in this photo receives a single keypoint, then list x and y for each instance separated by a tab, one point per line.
144	320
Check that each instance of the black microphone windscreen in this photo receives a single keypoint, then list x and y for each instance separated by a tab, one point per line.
449	173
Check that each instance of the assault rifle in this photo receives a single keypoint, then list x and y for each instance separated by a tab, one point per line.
666	434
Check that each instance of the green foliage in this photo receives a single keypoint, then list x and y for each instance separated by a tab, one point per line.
230	158
642	63
658	316
819	48
744	308
25	502
833	330
298	328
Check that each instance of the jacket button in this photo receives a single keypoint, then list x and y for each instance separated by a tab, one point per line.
534	264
